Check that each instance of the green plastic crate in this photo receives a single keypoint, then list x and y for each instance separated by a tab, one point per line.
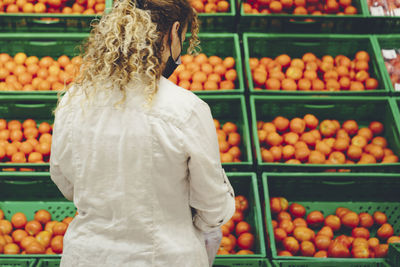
32	186
48	263
40	45
362	109
241	263
296	45
328	263
289	23
394	254
219	22
22	22
19	107
222	45
326	192
17	262
387	42
246	184
233	108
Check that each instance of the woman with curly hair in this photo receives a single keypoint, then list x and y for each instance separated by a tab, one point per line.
138	155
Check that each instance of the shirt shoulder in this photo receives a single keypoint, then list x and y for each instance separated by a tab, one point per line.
175	103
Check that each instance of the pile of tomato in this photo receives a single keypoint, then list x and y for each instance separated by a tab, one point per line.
238	237
310	73
306	140
86	7
229	141
322	235
42	235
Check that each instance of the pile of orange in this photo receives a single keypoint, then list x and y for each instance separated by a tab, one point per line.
305	140
300	7
87	7
25	142
237	236
310	73
210	6
39	236
23	73
197	73
229	141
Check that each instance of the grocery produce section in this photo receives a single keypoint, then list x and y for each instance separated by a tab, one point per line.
306	106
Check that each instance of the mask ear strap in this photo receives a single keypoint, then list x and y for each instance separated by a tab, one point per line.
170	45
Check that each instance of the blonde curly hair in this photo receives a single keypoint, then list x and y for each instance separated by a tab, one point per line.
127	45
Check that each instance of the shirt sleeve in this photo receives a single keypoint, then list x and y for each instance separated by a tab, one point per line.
211	194
61	154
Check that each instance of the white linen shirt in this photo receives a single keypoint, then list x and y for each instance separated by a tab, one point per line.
135	175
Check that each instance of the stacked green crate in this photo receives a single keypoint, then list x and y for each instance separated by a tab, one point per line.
363	110
219	22
326	192
296	45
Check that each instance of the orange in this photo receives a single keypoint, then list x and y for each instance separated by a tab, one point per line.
214	77
4	134
332	85
77	60
229	62
44	86
219	69
19	220
35	157
300	11
231	75
273	84
277	75
26	148
310	75
331	74
210	85
3	124
31	133
297	63
275	7
196	86
289	85
362	55
202	59
198	6
356	86
28	123
259	77
18	157
222	6
199	76
207	68
227	85
304	85
14	125
16	135
184	84
253	62
294	73
283	60
344	83
309	57
13	8
361	65
350	10
371	84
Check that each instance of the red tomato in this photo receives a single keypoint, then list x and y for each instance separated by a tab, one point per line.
315	219
280	234
345	240
385	231
245	241
327	231
366	220
333	222
381	251
321	254
237	216
287	225
360	241
274	224
303	234
241	203
291	244
350	219
338	250
284	215
242	227
299	222
322	242
307	248
360	252
360	232
285	253
278	204
341	211
297	210
231	225
380	218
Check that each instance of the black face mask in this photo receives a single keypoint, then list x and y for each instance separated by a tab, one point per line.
171	63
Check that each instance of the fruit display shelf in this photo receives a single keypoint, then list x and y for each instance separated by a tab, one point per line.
326	192
296	45
362	110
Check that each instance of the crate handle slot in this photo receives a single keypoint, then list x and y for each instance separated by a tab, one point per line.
21	182
338	183
302	21
46	22
43	43
23	105
316	106
306	44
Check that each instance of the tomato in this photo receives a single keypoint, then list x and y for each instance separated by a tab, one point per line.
385	231
360	241
279	234
307	248
380	218
18	235
360	232
244	252
245	241
322	242
285	253
19	220
315	219
33	227
327	231
5	227
297	210
373	242
60	228
278	204
350	219
333	222
233	239
11	248
366	220
341	211
360	252
284	215
35	248
299	222
291	244
287	225
338	250
225	231
241	203
381	250
321	254
230	224
345	240
237	216
274	224
303	234
26	241
242	227
42	216
226	243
